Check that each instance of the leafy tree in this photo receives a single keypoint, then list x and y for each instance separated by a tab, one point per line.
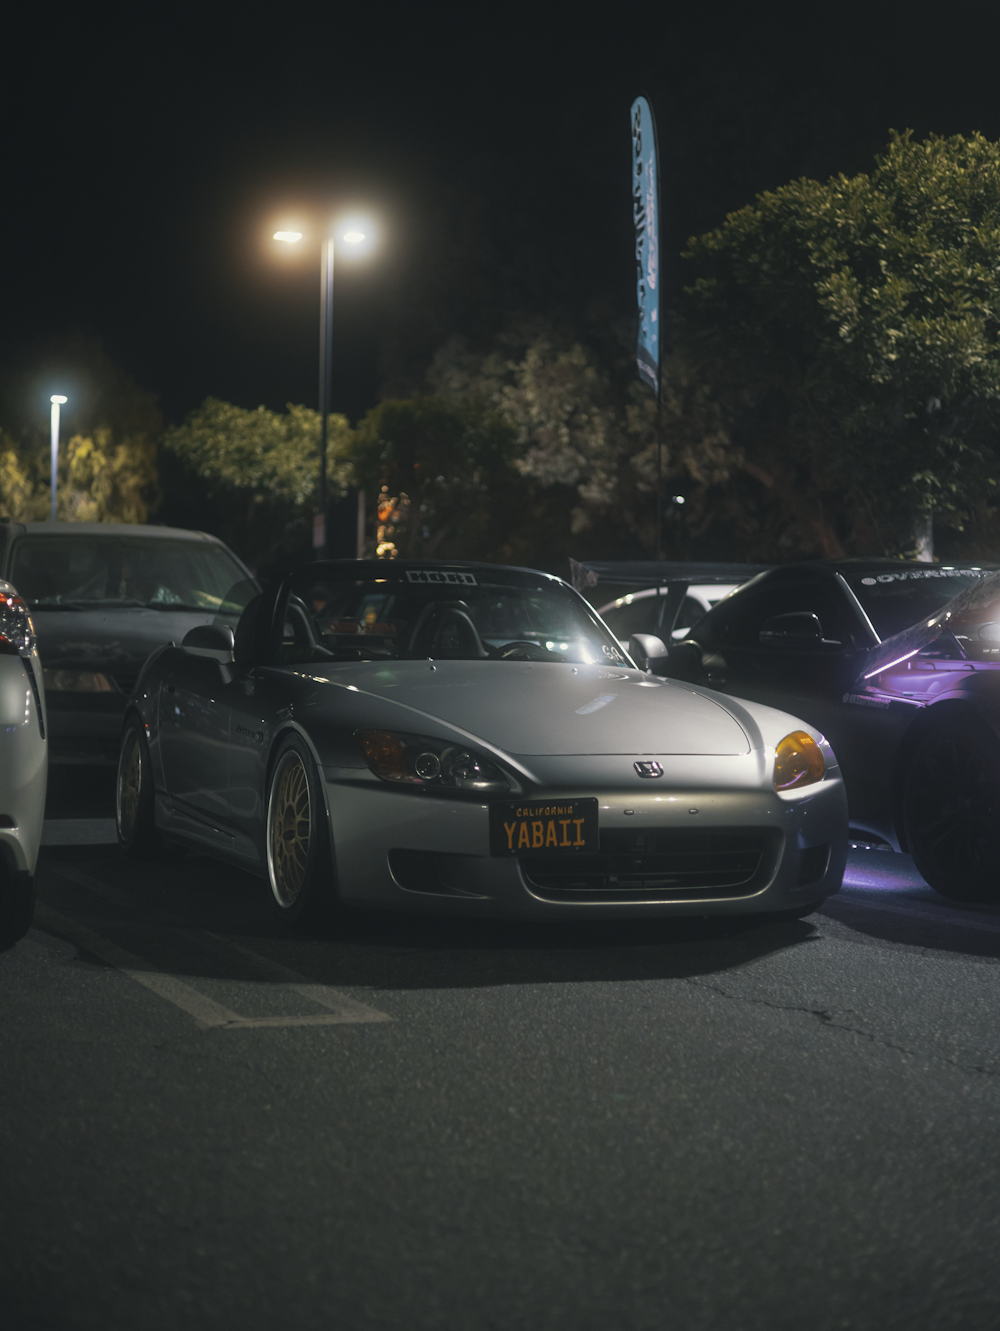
99	480
107	465
585	445
452	463
850	332
251	475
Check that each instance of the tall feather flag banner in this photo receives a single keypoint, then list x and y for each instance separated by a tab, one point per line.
646	216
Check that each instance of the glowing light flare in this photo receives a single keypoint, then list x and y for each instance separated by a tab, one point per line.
58	399
892	664
357	234
289	237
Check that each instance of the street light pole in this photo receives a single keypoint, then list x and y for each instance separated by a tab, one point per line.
57	401
325	386
353	236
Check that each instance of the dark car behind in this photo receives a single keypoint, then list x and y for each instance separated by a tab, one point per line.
103	596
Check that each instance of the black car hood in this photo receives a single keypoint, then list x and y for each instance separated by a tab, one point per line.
115	640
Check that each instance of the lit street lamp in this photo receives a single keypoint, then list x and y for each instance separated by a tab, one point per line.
354	233
57	401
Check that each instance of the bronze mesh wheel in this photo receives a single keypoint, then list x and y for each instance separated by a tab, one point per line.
289	829
299	867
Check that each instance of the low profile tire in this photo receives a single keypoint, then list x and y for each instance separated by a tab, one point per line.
952	811
134	819
299	862
17	905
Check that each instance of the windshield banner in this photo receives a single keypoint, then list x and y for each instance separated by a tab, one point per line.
646	217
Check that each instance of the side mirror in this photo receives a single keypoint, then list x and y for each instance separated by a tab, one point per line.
212	640
793	632
646	650
685	662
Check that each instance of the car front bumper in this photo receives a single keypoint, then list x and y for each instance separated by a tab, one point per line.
399	850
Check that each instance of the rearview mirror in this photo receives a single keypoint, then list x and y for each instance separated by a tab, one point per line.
215	641
646	650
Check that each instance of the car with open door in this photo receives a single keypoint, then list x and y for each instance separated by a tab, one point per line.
469	739
898	663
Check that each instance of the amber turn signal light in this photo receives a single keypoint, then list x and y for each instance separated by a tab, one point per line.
798	761
385	755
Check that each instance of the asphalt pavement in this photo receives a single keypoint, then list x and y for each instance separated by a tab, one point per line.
205	1123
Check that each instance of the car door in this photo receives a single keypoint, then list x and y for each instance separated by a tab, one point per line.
796	646
194	718
261	701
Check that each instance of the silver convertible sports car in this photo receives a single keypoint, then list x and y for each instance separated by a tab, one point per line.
470	739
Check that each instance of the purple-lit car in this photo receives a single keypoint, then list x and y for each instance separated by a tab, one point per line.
898	664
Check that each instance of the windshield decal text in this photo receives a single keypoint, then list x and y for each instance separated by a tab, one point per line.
912	574
441	577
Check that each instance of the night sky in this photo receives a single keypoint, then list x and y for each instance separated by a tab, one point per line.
150	154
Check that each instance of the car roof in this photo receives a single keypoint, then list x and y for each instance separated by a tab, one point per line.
705	589
374	567
142	530
653	572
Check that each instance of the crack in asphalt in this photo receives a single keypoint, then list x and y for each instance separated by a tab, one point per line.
826	1017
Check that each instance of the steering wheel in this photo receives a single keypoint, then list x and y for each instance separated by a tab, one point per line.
522	649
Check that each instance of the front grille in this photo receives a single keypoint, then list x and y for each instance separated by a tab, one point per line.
729	862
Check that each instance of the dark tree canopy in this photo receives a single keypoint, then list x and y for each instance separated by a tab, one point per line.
851	330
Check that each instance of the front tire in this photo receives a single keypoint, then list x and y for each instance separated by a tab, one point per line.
134	799
299	862
952	811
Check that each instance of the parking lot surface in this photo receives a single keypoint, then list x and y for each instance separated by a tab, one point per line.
438	1124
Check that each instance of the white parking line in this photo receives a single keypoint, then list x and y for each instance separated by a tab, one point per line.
342	1010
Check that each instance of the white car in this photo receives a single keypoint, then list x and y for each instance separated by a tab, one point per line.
639	612
469	739
23	764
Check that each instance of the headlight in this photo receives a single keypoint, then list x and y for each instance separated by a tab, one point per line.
17	633
420	761
798	761
76	681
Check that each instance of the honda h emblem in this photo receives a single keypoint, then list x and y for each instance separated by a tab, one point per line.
649	769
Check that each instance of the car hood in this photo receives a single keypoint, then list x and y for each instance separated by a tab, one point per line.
966	610
550	709
114	640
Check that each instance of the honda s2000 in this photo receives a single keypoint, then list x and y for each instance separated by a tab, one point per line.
469	739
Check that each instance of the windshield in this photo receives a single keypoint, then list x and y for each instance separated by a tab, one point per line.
439	614
80	572
895	601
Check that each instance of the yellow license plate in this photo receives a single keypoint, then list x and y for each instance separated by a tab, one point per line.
544	827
